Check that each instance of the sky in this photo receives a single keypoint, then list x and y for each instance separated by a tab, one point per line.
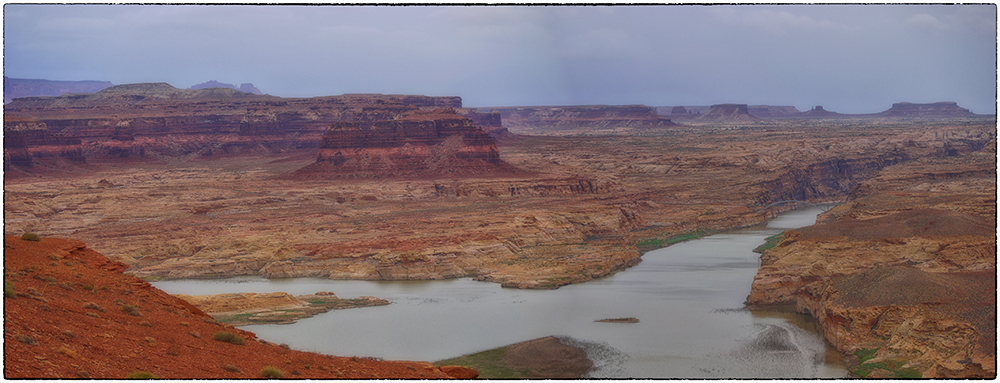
847	58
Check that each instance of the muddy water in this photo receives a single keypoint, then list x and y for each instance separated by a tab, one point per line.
688	298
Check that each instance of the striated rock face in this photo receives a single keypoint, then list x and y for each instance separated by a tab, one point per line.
595	118
728	113
907	268
937	109
418	144
28	144
158	121
19	87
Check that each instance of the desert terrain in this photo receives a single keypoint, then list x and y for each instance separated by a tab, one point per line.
213	184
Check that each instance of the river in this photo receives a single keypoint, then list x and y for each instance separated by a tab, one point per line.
688	298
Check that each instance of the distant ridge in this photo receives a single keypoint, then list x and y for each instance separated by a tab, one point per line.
20	87
244	87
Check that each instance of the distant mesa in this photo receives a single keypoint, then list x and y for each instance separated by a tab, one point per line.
766	112
19	87
730	113
678	110
937	109
418	144
244	87
581	117
818	112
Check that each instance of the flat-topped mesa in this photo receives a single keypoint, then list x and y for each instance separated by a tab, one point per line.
728	113
772	111
157	120
937	109
591	117
418	144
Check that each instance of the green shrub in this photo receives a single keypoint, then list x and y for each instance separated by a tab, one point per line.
228	337
141	375
8	290
272	373
131	310
29	236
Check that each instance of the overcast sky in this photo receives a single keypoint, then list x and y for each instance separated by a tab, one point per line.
850	59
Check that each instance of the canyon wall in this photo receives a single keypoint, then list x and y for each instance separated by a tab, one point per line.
417	144
158	121
904	273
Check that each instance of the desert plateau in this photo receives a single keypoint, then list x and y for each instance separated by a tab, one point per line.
214	183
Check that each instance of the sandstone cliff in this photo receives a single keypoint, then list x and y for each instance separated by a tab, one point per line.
418	144
29	144
160	122
904	274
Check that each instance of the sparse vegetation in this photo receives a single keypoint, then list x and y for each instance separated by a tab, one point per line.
29	236
228	337
131	310
892	366
141	375
8	290
769	243
489	364
26	339
271	372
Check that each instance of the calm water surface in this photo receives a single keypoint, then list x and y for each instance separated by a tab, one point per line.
688	297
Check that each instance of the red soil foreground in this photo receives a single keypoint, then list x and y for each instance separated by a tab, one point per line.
73	314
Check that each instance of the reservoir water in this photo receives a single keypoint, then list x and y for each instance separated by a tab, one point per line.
688	298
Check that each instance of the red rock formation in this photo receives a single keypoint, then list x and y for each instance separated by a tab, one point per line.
160	121
418	144
29	143
907	269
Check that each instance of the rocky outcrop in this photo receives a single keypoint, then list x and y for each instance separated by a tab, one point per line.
245	87
19	87
904	274
240	309
937	109
158	121
418	144
28	144
728	113
70	313
596	118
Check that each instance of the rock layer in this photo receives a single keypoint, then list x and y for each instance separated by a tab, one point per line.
418	144
906	269
160	122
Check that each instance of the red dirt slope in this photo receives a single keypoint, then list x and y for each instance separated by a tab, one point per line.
73	314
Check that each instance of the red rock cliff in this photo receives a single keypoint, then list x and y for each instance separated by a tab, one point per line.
420	143
141	120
